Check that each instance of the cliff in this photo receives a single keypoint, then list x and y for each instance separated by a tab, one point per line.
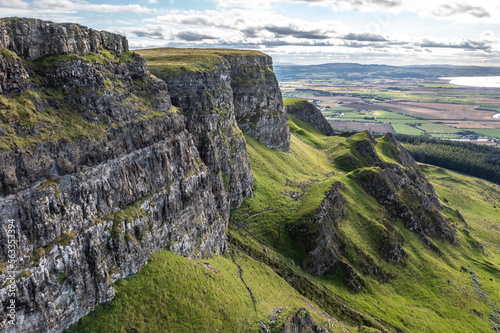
250	84
206	99
98	169
32	39
307	112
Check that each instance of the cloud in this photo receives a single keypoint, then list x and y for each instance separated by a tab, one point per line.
281	31
344	5
465	45
244	3
149	34
19	4
456	9
60	6
192	36
364	37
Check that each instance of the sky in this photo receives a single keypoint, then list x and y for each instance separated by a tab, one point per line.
392	32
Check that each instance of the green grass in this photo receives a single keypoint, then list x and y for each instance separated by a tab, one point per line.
267	214
175	61
406	129
30	118
175	294
52	125
340	108
381	114
293	101
438	128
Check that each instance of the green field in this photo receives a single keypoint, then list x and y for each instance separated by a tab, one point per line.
486	131
433	128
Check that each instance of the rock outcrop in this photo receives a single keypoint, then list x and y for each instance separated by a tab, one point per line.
258	103
248	81
32	39
385	171
320	236
308	113
301	321
98	169
401	188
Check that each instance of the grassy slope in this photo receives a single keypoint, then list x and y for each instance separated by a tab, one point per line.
455	292
175	294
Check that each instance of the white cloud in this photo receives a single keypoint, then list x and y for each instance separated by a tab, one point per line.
14	4
61	6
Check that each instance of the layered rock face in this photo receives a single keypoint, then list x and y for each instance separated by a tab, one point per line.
32	39
206	99
98	169
258	103
403	190
307	112
320	236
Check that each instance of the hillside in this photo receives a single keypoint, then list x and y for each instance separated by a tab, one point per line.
174	190
261	282
360	71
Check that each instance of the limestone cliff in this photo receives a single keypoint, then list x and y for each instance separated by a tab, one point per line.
98	169
257	100
249	84
206	99
32	39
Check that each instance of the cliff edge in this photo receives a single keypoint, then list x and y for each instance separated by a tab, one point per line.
102	163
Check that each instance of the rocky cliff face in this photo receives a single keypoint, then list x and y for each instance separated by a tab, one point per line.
307	112
402	189
98	169
250	88
320	235
32	39
258	103
206	99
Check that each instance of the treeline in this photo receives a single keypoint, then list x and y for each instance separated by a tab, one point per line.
475	160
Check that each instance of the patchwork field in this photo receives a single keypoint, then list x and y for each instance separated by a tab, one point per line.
409	105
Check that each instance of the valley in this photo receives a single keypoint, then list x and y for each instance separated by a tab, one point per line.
414	101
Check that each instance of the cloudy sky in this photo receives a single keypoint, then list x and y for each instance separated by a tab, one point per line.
394	32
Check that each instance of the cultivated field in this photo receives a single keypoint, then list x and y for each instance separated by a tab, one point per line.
414	106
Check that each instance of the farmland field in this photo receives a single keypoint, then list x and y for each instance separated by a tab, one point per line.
414	104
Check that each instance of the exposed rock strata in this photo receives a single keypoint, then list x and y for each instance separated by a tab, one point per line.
206	99
386	171
403	190
32	39
258	104
301	321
